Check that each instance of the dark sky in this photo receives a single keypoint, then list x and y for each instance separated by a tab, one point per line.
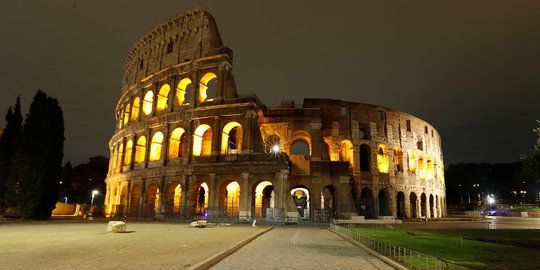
470	68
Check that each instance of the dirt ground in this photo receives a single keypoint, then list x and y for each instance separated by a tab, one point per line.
68	245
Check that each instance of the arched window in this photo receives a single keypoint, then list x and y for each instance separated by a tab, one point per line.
398	159
127	110
300	143
429	167
181	92
364	158
273	144
202	141
231	138
147	103
300	147
346	152
383	163
140	149
204	85
162	97
119	154
421	167
412	161
129	149
177	143
155	147
135	109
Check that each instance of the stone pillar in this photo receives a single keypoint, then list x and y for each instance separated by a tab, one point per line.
316	141
128	198
213	191
142	201
194	102
407	201
189	142
247	136
107	203
216	136
185	196
392	201
148	144
165	145
245	199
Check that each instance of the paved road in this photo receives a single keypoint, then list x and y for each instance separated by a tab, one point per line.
300	248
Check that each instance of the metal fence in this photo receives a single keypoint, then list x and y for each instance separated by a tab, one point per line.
409	258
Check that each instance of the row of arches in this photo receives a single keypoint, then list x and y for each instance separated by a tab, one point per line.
425	167
163	99
135	148
379	204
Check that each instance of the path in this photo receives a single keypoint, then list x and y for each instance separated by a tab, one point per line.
300	248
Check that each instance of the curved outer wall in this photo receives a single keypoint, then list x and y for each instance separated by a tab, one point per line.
187	146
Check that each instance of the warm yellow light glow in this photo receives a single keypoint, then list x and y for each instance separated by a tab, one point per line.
429	167
135	109
129	149
119	155
175	142
205	187
156	201
203	85
383	161
231	145
127	111
181	89
412	161
177	200
259	197
346	152
140	149
421	167
162	97
202	140
155	147
398	158
232	201
147	102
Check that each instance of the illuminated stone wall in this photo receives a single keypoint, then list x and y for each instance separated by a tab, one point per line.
187	146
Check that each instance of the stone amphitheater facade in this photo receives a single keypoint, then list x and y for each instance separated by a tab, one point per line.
187	146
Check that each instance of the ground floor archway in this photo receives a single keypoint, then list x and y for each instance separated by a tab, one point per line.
301	198
400	207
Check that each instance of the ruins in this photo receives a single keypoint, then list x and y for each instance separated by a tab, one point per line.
188	146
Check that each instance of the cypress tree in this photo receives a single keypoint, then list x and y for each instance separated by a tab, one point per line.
8	142
36	174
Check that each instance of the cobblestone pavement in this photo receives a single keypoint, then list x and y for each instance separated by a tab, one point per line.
300	248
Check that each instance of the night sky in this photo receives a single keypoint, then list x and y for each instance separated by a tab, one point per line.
472	70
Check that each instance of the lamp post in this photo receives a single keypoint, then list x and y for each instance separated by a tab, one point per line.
94	193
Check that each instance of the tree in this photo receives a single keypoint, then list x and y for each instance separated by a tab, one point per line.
531	159
35	176
8	142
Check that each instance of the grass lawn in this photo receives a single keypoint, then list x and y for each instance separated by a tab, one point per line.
484	249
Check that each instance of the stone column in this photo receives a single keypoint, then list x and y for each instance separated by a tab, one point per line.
185	196
316	140
142	201
148	144
216	136
245	205
408	213
213	191
165	145
247	136
107	203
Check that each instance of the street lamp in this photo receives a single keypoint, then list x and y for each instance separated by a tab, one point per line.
94	193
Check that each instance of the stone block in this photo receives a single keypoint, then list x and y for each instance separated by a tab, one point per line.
116	226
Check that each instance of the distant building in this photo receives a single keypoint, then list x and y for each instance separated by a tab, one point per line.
187	145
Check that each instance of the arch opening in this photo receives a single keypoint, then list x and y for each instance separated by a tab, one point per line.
135	108
346	152
383	203
202	141
367	203
156	146
400	205
182	96
177	143
398	159
140	150
148	103
231	138
301	198
264	198
206	87
162	98
383	163
364	158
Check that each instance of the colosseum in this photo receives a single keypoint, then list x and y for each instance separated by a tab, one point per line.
188	146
